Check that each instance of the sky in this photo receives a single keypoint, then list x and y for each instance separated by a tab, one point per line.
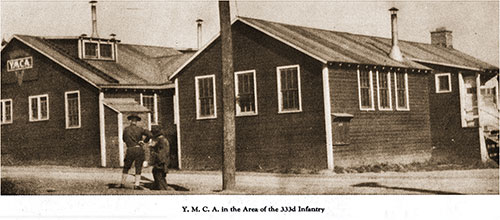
475	24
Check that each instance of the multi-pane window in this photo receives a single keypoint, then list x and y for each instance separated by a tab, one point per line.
39	107
289	96
245	89
150	102
205	97
105	50
384	91
365	90
90	50
6	111
443	82
98	50
72	106
401	87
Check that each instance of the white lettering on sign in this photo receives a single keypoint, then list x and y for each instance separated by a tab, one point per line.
20	64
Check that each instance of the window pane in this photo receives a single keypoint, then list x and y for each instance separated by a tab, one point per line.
364	78
34	108
8	109
105	50
246	94
401	91
443	83
289	88
148	101
43	108
384	90
73	110
1	112
206	97
90	49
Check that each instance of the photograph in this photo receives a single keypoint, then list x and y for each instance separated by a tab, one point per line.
188	98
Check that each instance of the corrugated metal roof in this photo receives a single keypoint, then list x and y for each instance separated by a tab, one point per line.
136	64
125	105
333	46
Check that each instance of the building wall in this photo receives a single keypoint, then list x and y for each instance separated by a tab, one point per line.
381	136
266	141
48	142
451	142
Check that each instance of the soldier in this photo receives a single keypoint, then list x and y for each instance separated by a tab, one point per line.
160	154
133	137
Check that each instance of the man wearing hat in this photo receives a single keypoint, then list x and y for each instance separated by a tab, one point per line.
160	154
135	138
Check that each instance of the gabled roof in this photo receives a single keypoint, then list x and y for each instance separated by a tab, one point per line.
328	46
136	65
124	105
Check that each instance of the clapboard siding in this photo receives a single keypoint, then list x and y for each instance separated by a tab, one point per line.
268	140
381	136
49	142
452	142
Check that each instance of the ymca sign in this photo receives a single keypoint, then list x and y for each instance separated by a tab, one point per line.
19	64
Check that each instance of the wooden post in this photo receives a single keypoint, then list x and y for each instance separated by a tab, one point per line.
229	149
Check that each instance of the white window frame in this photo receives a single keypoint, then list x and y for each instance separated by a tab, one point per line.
155	107
407	108
236	92
198	104
361	107
66	110
437	82
98	52
31	119
389	85
280	95
3	116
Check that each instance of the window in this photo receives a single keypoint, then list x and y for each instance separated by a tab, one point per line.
245	90
401	87
6	111
90	50
206	106
365	90
384	91
72	109
39	107
289	97
106	50
98	50
443	82
150	102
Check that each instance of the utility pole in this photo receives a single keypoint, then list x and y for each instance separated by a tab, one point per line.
229	149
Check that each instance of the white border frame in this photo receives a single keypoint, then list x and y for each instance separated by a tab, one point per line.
436	82
155	106
2	119
38	108
407	108
370	76
280	96
236	93
66	113
198	104
389	88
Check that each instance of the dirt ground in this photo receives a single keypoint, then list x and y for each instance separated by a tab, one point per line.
63	180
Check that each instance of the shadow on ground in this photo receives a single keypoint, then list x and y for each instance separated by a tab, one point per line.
377	185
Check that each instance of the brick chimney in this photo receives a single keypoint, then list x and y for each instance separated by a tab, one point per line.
442	37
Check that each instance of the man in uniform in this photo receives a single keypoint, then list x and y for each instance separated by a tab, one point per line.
159	158
135	138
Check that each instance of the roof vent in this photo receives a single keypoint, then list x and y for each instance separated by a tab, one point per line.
395	53
199	23
93	9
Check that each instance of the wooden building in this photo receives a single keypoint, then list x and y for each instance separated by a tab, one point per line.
311	98
59	95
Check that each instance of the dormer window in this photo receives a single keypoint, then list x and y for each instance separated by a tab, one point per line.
97	49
